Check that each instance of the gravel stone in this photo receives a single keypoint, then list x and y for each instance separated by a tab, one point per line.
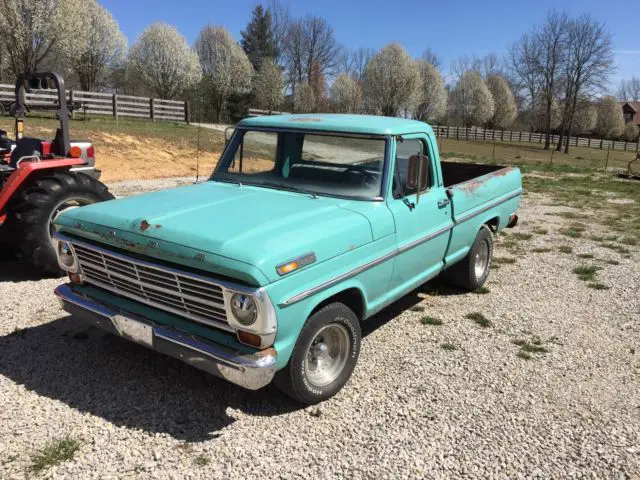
411	410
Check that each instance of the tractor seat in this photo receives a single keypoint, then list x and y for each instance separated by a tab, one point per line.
25	147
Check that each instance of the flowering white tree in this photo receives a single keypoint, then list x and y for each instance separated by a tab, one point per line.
432	97
268	85
391	81
585	119
304	100
610	118
471	100
100	47
225	66
32	30
163	60
346	94
630	133
505	103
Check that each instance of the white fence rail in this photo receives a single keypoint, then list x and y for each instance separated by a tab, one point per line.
111	104
473	133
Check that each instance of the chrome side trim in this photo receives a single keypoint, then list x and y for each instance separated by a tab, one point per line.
362	268
345	276
248	370
469	216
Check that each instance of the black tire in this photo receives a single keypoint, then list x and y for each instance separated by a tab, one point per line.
294	381
31	213
464	273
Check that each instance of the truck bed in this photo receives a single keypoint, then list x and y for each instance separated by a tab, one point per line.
454	173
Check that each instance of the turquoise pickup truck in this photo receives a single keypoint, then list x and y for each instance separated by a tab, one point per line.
309	225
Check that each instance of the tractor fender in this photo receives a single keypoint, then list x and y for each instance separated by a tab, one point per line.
24	171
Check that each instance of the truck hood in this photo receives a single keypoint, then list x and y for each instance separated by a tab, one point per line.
242	232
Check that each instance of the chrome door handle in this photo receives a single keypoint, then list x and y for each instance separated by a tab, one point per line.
443	203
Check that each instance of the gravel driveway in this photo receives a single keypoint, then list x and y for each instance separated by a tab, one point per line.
425	401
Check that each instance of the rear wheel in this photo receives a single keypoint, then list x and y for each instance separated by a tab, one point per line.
37	207
473	270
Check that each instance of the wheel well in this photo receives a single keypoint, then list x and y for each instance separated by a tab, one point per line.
493	224
351	297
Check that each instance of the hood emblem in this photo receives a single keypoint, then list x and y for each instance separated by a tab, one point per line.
153	244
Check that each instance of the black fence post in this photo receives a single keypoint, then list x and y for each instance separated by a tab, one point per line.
152	112
115	105
186	112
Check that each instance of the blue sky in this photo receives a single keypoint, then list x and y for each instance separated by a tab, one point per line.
451	28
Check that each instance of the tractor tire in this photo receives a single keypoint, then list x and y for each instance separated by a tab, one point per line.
32	214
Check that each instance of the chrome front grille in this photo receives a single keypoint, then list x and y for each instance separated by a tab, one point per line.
167	289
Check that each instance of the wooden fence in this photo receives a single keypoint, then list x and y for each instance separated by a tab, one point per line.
473	133
94	103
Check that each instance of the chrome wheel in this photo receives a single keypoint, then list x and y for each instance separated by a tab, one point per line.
481	260
327	355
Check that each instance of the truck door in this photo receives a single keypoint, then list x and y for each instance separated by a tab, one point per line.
422	225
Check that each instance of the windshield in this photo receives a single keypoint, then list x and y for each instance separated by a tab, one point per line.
309	163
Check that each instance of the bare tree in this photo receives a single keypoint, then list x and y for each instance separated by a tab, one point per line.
268	85
310	41
164	62
587	66
432	57
629	90
505	104
610	119
354	62
522	65
280	22
226	68
100	48
432	96
346	94
551	44
391	81
471	101
486	66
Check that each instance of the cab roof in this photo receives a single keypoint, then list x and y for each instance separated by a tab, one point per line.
343	123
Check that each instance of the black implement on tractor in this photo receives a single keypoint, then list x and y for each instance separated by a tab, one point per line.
39	179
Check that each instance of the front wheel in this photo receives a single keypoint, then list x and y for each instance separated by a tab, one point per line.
37	207
473	270
324	356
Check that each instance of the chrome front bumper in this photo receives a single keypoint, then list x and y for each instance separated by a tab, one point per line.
248	370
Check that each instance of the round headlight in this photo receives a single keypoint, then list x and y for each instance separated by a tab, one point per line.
244	309
65	255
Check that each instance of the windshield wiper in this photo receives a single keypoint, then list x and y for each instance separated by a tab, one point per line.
279	186
227	179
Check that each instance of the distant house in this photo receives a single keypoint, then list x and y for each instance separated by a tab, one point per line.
631	112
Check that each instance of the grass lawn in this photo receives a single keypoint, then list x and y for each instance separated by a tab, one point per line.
533	154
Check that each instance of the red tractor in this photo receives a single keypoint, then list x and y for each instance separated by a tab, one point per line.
40	179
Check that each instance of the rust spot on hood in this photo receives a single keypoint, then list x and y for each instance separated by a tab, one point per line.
144	226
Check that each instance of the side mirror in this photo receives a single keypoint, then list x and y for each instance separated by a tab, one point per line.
418	173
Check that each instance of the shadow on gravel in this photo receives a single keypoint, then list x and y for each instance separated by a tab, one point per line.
13	270
126	384
131	386
433	287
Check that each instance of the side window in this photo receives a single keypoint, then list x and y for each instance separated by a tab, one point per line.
257	154
404	150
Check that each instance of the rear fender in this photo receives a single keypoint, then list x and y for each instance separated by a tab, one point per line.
25	170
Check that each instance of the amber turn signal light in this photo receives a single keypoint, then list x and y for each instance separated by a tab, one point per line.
75	152
249	338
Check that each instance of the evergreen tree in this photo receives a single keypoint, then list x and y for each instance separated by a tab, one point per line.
257	40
